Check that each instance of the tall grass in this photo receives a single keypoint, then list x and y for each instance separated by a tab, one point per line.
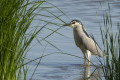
16	17
111	41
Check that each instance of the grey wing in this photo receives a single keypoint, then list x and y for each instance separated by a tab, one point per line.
92	45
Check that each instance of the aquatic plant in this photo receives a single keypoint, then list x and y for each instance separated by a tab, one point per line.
111	42
16	35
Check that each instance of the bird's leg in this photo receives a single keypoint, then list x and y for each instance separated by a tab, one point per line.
89	63
84	59
88	55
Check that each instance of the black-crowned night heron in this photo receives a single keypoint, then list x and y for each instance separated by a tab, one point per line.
84	41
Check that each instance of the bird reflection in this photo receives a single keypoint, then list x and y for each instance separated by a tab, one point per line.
91	74
86	75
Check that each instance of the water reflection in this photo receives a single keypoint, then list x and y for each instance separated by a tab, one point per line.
92	73
68	72
86	73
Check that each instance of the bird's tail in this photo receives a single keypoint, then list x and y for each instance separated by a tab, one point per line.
102	54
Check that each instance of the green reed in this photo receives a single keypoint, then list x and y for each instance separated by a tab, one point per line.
111	42
16	17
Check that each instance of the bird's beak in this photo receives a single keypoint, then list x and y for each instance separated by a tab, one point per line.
66	24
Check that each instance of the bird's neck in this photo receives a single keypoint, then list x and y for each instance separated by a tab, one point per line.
79	29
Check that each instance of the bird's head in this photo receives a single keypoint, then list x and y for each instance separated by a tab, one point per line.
74	23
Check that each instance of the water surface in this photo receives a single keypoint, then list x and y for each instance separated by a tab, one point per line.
65	67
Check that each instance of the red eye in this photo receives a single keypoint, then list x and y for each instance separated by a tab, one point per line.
73	22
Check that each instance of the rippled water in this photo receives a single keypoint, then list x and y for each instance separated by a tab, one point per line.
65	67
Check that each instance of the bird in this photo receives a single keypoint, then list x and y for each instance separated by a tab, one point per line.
84	41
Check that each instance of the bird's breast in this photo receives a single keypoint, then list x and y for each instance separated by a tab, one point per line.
78	37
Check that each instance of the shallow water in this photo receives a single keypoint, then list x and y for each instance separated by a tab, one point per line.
65	67
67	72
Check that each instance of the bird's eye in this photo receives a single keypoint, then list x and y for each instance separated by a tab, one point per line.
73	22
